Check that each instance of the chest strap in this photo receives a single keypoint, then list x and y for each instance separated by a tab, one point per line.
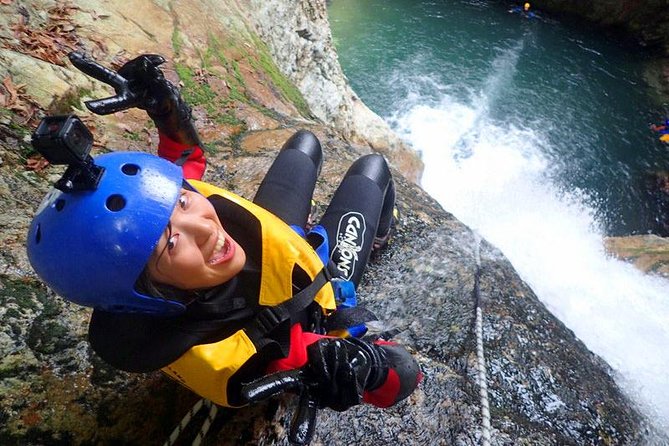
270	319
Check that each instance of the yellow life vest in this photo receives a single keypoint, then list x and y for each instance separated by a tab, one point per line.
207	368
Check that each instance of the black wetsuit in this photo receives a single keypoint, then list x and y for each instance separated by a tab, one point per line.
363	202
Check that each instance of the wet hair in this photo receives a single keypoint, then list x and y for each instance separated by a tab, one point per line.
149	287
145	285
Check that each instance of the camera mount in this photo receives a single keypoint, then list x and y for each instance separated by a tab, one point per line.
65	140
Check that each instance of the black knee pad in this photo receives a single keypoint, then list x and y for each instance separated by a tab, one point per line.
307	143
374	167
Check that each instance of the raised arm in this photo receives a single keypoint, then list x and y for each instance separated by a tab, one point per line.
141	83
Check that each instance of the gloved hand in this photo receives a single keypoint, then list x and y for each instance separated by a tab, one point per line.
161	100
338	371
146	81
347	371
338	374
140	83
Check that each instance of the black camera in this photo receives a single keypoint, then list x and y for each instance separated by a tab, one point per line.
67	140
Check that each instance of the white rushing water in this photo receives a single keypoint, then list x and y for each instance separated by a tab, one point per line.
495	177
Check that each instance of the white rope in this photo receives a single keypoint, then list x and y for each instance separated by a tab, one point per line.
213	410
483	380
185	421
480	358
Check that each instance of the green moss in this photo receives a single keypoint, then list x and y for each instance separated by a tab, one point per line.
264	62
196	93
15	364
26	294
133	136
234	82
71	99
221	108
12	313
49	336
228	117
237	83
177	42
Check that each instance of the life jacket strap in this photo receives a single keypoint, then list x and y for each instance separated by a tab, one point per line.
344	290
271	318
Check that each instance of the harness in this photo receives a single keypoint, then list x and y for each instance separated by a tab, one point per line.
207	369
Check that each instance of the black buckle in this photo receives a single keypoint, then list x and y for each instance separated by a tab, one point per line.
270	318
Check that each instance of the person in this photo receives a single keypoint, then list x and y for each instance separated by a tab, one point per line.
662	129
524	10
237	300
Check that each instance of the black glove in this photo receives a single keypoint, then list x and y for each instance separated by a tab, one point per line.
304	419
140	83
337	373
340	370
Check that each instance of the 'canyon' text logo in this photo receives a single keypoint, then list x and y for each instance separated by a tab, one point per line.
350	237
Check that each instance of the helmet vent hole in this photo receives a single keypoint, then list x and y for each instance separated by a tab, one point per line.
60	204
130	169
115	202
38	233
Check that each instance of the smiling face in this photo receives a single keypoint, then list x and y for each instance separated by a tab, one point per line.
195	252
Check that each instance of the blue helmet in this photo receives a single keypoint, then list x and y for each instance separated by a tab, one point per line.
91	246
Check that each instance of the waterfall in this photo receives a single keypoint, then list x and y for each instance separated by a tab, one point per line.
495	176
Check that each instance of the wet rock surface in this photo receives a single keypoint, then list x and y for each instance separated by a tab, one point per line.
544	386
649	253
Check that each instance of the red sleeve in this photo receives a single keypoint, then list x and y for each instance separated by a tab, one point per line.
297	354
171	150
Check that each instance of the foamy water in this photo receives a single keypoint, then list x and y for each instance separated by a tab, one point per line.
495	178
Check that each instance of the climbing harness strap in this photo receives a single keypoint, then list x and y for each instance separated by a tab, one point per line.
480	358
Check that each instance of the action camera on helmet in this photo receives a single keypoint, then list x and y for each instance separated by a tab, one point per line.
66	140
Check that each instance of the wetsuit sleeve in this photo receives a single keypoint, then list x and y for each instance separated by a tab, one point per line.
194	164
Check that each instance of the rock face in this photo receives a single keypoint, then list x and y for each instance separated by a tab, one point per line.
298	34
649	253
544	386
